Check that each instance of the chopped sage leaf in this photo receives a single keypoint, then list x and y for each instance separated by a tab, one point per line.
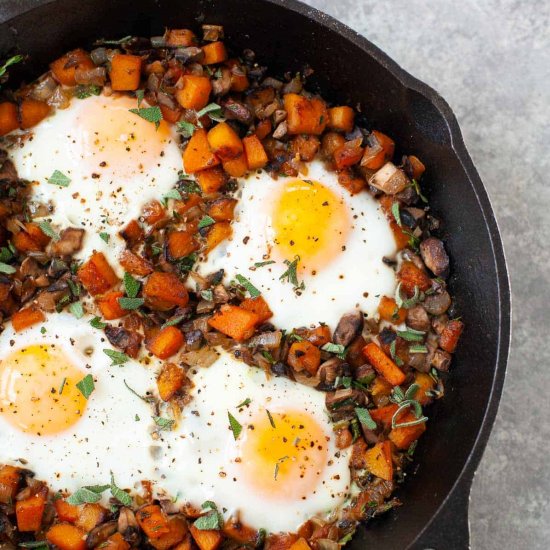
59	178
48	230
236	428
252	290
122	496
77	310
164	423
150	114
206	221
130	303
7	269
86	386
131	285
96	322
117	357
105	237
271	421
245	403
365	418
186	129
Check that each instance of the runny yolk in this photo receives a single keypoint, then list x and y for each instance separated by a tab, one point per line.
116	143
309	221
38	393
284	459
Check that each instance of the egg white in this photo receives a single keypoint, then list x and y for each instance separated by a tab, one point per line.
354	279
199	457
99	199
113	433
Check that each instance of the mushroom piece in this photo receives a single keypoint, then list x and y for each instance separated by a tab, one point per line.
329	371
438	303
98	535
441	360
128	527
70	241
349	326
237	110
417	318
389	179
435	257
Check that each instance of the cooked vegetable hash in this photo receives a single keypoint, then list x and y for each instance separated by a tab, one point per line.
223	302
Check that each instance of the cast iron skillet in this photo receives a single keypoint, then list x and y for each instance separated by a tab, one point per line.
286	35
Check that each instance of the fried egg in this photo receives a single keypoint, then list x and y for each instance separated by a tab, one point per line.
64	437
115	160
277	465
314	251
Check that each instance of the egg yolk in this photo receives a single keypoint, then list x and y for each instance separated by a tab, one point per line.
283	456
115	142
311	222
38	392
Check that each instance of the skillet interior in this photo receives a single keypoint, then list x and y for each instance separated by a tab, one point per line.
285	34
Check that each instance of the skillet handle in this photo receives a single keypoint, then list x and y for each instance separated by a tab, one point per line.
450	529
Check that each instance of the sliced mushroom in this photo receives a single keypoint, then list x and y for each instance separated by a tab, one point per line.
441	360
70	241
128	341
417	318
128	527
211	33
437	303
389	179
237	110
98	535
329	371
435	257
349	326
281	130
269	340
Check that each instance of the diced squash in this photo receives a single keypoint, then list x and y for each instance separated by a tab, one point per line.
235	322
153	212
170	115
280	541
330	143
195	92
303	355
426	383
166	343
125	72
134	264
379	149
27	317
180	38
263	128
236	530
412	276
380	387
115	542
153	521
448	339
32	111
180	244
66	537
390	312
198	155
349	154
351	182
65	511
305	116
132	233
10	478
211	180
109	306
258	306
186	543
182	207
256	157
383	364
341	118
217	234
177	529
403	437
166	287
206	539
319	336
97	275
90	515
239	80
379	461
417	166
65	67
29	512
300	544
383	415
8	118
222	210
400	237
32	239
214	52
224	141
236	167
170	381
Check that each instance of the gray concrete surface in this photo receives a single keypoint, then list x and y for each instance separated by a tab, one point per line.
490	59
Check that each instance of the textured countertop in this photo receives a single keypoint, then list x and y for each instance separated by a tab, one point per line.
490	59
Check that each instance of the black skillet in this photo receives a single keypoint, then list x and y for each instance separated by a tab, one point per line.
286	35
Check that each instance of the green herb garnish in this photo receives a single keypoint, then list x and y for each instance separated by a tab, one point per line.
206	221
213	110
77	310
122	496
86	386
186	129
105	237
59	178
338	349
365	418
150	114
246	402
236	428
271	421
82	92
7	269
117	357
291	275
396	213
131	285
96	322
48	230
262	264
130	304
252	290
411	335
164	423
